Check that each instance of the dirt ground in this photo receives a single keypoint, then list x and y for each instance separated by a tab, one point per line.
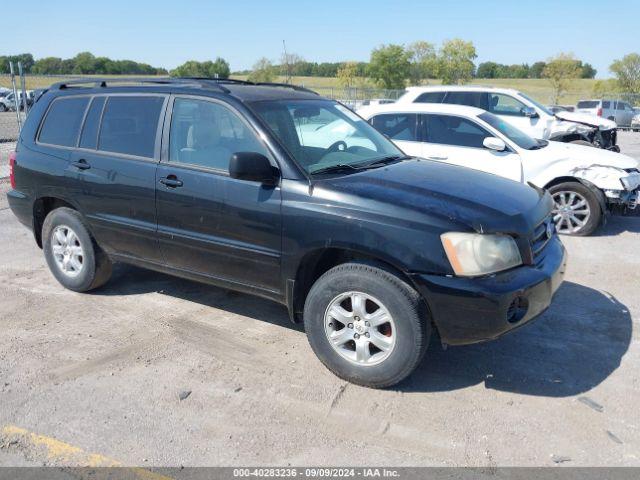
98	378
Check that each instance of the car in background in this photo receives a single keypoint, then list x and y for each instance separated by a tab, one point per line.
619	111
8	102
524	113
586	183
635	123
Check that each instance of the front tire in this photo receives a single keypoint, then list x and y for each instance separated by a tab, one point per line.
577	210
366	325
73	256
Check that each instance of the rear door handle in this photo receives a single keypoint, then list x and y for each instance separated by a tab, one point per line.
81	164
171	181
436	157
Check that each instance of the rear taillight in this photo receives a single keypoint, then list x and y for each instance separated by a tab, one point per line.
599	113
12	166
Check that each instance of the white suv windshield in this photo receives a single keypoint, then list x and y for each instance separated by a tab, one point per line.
322	135
512	133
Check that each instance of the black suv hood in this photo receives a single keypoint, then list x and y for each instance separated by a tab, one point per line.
444	194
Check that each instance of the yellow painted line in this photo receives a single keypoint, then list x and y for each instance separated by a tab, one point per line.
66	454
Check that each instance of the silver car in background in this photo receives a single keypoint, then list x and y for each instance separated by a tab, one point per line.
617	110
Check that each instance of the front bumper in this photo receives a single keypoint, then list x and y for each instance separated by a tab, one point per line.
470	310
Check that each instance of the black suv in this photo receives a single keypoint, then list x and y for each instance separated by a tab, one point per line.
277	192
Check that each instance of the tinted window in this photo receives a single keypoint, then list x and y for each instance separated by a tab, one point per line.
431	97
62	124
207	134
89	136
397	126
450	130
500	104
472	99
606	104
129	125
620	106
588	104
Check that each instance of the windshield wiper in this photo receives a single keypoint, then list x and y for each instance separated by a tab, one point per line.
340	167
383	161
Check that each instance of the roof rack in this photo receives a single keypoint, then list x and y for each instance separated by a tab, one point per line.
104	82
199	81
286	85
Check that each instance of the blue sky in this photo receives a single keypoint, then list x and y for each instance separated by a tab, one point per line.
166	34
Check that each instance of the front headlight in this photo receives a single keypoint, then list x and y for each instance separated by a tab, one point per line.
473	254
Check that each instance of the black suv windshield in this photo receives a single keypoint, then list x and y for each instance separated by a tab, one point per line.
512	133
324	136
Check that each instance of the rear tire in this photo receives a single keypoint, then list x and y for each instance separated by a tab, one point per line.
73	255
577	209
366	325
582	142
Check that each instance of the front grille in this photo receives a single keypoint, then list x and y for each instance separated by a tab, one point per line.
540	237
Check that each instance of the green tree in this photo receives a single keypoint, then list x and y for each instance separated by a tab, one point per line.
84	63
488	70
389	66
535	71
424	62
627	72
561	71
347	74
588	71
192	68
263	71
602	88
48	66
456	61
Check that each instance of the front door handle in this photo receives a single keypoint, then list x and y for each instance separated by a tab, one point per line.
437	157
171	181
81	164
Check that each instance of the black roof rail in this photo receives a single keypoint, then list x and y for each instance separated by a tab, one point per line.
199	81
103	82
286	85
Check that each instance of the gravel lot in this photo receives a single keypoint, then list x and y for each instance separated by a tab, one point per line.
104	372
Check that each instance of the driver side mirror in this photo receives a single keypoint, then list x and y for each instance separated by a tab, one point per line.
253	167
529	112
496	144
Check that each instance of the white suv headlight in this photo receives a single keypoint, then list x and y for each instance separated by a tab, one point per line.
473	254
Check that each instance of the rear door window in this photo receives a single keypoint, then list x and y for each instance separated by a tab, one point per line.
89	136
452	130
472	99
62	124
397	126
129	125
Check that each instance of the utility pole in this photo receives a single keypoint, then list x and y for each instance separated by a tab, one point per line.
286	63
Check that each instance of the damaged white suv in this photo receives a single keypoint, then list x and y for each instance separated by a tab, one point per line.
524	113
586	183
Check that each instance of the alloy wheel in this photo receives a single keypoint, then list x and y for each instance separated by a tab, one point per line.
571	211
360	328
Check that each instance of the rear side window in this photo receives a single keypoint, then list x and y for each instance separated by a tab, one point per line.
397	126
62	123
589	104
431	97
606	104
89	136
129	125
472	99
